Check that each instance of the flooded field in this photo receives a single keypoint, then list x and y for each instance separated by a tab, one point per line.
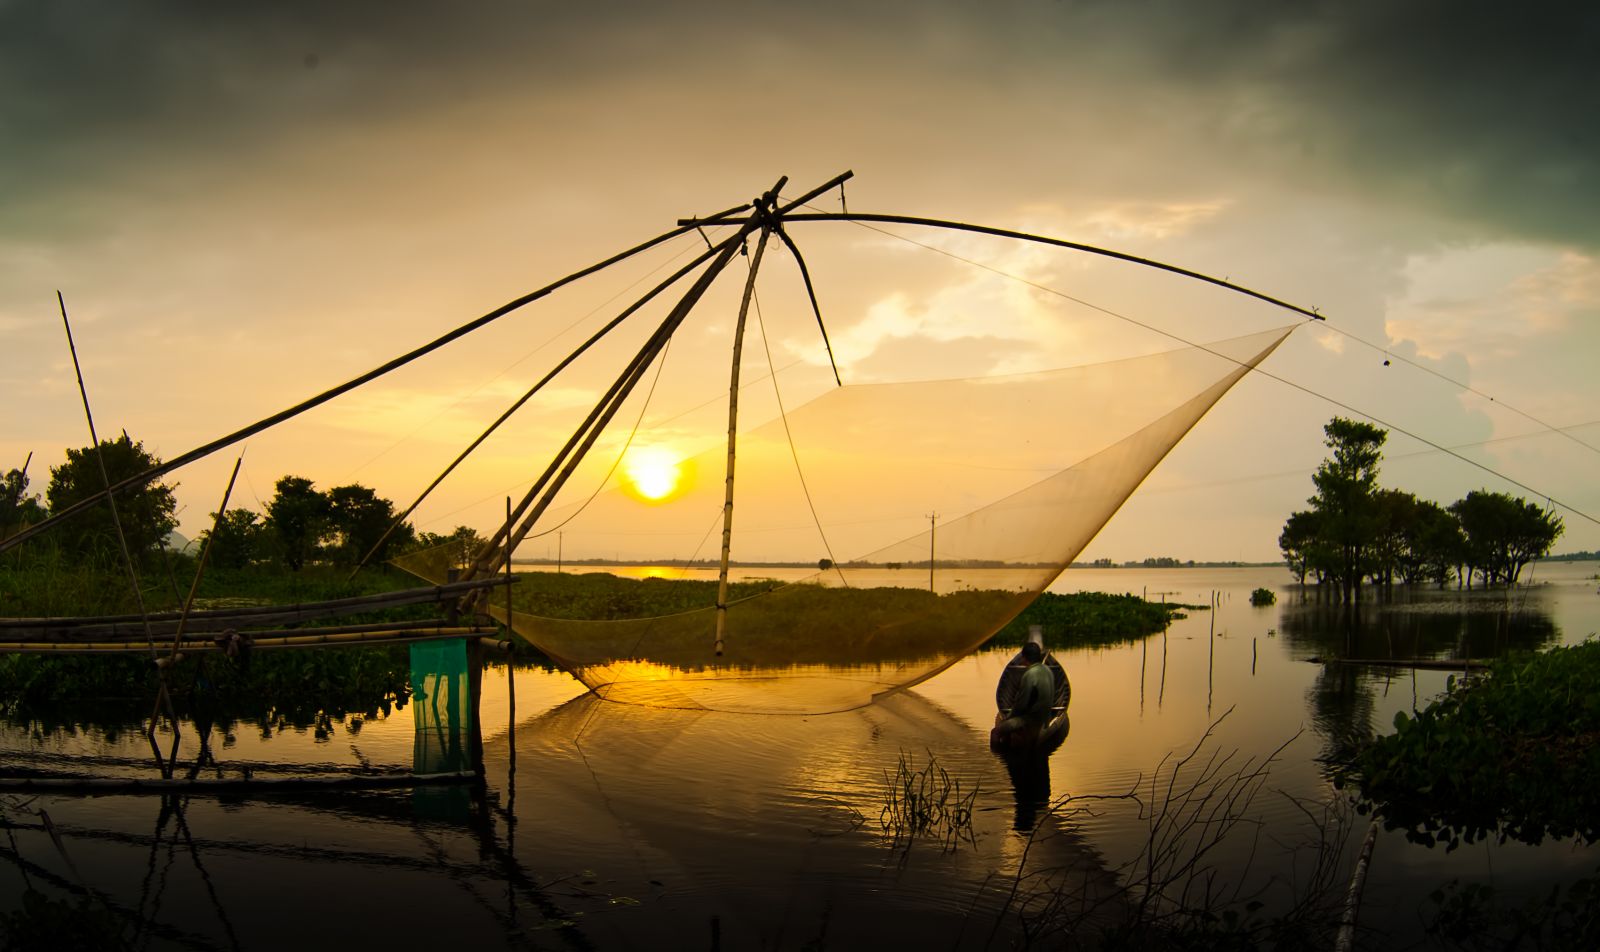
605	825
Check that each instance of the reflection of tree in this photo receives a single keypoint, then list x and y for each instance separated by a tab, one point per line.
1413	625
1342	702
1426	624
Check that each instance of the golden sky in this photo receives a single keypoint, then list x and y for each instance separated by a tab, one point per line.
243	206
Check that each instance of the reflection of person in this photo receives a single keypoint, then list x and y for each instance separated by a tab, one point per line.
1036	694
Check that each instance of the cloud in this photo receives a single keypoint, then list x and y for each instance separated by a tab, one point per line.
1152	220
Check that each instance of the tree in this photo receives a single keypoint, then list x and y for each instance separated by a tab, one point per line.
463	543
1346	498
18	509
357	518
1433	544
236	541
1300	542
297	519
145	513
1503	534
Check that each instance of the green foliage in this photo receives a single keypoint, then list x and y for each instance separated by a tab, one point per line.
1474	916
1503	534
460	545
297	518
1263	596
358	519
1355	530
18	507
145	513
341	525
1513	754
236	540
1090	619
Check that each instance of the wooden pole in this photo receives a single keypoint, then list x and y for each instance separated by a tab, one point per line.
733	439
933	528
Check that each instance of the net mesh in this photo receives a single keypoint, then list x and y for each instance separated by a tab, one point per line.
934	510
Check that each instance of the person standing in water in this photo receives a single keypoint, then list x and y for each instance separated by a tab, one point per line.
1036	696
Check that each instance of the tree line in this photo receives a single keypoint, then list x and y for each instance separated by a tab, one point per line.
1355	531
302	525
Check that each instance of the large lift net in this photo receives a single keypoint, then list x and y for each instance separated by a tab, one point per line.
934	510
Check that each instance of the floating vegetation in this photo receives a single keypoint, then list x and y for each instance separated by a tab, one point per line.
926	802
1263	596
1513	754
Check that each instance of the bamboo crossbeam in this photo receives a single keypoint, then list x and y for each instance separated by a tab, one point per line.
156	472
214	620
516	405
551	481
290	638
230	784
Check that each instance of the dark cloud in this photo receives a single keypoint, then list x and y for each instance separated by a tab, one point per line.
1474	111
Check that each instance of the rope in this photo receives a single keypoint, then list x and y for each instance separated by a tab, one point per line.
793	452
1265	373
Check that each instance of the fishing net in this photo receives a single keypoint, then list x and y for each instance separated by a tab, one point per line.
932	511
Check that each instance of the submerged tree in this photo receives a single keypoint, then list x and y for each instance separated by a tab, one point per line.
1346	501
1356	530
1503	534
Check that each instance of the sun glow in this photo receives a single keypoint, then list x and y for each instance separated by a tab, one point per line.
652	473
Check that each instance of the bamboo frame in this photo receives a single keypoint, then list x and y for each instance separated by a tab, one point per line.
258	642
733	439
217	620
200	452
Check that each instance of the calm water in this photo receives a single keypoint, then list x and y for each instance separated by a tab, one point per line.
614	826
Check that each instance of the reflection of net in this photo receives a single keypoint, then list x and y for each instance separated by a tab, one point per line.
877	460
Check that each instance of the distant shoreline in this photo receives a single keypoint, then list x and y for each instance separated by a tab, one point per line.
1161	563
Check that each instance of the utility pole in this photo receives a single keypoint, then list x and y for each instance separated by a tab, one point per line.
558	551
933	522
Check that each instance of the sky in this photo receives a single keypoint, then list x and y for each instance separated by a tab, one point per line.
245	204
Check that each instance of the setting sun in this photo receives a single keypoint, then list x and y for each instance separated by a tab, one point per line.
652	473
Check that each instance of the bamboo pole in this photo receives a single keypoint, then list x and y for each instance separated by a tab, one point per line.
601	415
1346	938
105	476
201	452
811	292
605	408
205	555
166	786
221	619
733	439
267	641
629	311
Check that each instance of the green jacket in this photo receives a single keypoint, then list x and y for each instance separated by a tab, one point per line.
1036	695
